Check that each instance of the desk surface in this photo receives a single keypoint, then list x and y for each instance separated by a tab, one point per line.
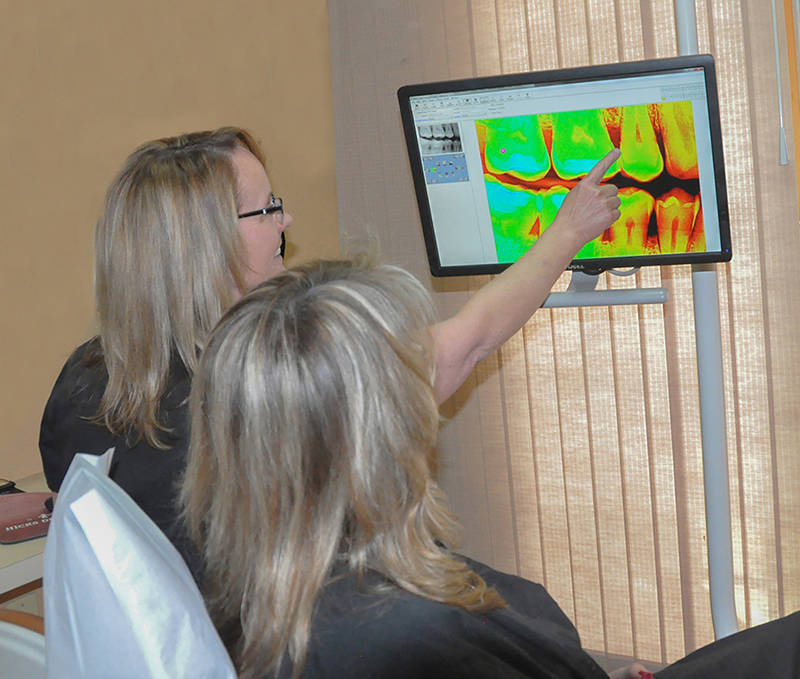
22	563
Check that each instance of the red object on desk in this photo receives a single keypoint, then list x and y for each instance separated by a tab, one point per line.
23	516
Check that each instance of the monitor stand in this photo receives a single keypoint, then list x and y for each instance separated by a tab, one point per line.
581	292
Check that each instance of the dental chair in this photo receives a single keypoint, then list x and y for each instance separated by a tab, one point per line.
119	601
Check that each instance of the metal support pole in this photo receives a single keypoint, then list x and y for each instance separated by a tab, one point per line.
705	290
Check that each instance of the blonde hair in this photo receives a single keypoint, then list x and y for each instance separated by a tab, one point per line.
168	255
314	422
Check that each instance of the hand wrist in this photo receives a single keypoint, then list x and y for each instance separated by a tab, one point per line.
567	236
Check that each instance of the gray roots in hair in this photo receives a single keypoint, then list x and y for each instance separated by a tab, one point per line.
314	422
168	262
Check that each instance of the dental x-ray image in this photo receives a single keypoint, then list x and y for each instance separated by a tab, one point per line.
439	138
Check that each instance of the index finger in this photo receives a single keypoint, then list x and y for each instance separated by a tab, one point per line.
597	173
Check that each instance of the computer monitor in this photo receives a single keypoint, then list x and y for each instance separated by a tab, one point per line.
493	157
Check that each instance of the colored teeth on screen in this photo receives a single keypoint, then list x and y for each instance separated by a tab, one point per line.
531	162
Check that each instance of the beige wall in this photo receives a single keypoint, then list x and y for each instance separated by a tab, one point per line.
81	85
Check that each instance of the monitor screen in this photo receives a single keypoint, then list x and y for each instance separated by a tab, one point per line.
493	157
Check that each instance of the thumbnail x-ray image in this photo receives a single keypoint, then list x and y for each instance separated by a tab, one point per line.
439	138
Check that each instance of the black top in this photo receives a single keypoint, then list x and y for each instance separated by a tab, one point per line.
360	632
147	474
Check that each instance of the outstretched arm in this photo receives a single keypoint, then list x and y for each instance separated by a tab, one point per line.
506	303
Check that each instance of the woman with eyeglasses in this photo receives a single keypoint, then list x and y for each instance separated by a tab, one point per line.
189	225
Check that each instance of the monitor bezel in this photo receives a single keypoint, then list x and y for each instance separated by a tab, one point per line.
571	75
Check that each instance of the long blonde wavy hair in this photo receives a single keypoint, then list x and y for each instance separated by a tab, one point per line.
168	262
314	422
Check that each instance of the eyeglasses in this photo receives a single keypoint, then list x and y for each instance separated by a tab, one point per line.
275	207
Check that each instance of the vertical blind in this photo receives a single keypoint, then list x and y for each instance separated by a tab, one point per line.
573	454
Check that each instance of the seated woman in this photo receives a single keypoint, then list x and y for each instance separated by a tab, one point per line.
190	224
309	492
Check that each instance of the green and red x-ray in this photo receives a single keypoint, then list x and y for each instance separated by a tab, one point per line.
531	162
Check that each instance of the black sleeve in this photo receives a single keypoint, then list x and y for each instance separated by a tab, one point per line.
768	651
54	459
66	427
